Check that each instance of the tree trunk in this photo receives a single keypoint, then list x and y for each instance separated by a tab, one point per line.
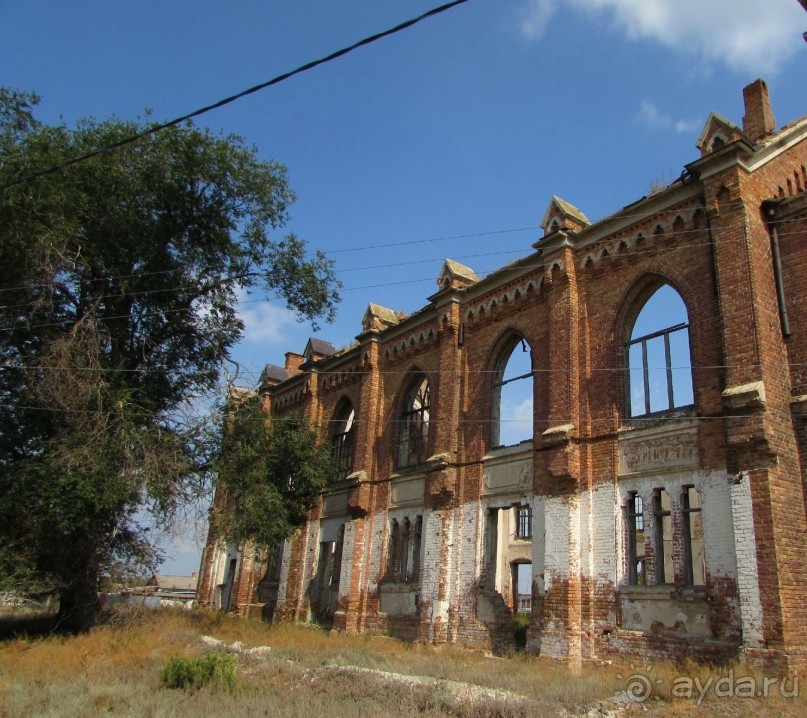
79	604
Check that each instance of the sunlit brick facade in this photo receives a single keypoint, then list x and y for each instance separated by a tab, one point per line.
657	505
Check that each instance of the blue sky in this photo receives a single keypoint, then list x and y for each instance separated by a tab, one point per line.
461	127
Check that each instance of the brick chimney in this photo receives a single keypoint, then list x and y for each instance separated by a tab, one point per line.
293	361
758	121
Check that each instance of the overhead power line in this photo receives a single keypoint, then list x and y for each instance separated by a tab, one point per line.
430	240
227	100
583	424
481	273
535	371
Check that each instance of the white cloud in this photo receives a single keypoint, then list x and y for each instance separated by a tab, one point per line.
751	36
683	127
652	117
522	412
535	16
264	322
516	417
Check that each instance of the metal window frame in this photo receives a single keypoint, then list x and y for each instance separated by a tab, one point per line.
524	522
418	416
643	340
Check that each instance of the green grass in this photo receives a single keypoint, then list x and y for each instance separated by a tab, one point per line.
215	670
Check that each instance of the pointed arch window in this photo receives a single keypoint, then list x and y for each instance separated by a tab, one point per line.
511	405
413	431
343	438
660	369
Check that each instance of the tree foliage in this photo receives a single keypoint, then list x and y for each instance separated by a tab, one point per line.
119	279
271	472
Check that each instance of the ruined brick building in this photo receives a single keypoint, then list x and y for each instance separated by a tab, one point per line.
656	505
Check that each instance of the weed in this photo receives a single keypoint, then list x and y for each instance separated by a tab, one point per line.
521	622
216	670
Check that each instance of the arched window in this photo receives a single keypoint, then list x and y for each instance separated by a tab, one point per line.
413	431
511	406
658	356
342	437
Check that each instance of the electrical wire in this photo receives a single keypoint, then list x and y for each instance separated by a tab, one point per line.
226	101
111	277
484	274
393	372
588	423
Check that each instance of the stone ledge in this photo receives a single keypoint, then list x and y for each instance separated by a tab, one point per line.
356	477
798	404
437	462
556	435
746	396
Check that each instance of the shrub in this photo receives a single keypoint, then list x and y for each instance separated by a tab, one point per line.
521	622
216	670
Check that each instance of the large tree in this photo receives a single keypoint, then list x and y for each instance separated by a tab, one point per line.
119	278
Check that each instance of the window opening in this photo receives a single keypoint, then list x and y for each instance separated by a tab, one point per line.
524	522
393	547
635	530
658	356
694	549
336	571
404	567
325	590
274	562
326	563
506	566
662	512
414	426
522	583
403	561
342	440
229	583
415	576
512	408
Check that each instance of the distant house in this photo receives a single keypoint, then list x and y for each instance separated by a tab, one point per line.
175	584
162	590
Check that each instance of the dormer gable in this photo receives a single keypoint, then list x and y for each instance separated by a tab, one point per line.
318	349
378	318
560	215
454	275
717	133
272	376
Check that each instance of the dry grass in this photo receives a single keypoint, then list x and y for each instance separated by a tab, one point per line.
115	669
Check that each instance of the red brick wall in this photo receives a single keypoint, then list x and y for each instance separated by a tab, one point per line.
574	303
